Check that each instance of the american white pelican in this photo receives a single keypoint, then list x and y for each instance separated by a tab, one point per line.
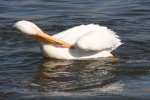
81	42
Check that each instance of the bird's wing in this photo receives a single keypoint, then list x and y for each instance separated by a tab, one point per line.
98	38
71	35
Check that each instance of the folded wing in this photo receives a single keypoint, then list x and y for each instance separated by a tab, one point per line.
98	38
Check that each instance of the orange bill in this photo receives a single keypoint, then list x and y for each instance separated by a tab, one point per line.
49	39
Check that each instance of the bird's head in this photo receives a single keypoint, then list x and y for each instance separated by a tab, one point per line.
27	27
30	28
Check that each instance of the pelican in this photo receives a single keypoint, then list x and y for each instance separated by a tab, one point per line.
90	41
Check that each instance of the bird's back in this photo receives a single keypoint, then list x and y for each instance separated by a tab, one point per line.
91	37
73	34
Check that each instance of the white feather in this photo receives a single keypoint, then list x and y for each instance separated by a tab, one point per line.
99	38
91	37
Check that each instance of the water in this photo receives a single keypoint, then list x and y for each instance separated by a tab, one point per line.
25	74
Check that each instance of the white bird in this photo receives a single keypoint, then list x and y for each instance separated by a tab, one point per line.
80	42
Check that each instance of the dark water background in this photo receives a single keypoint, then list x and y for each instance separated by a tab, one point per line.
26	75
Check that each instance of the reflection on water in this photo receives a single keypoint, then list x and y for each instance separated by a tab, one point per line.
61	75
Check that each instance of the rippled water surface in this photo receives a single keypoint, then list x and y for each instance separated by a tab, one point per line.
26	74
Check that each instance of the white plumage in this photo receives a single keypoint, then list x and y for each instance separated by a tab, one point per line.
90	42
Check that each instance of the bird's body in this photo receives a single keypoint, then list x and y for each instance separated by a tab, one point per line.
98	42
87	42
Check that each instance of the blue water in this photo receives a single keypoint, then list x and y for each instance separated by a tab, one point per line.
26	75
